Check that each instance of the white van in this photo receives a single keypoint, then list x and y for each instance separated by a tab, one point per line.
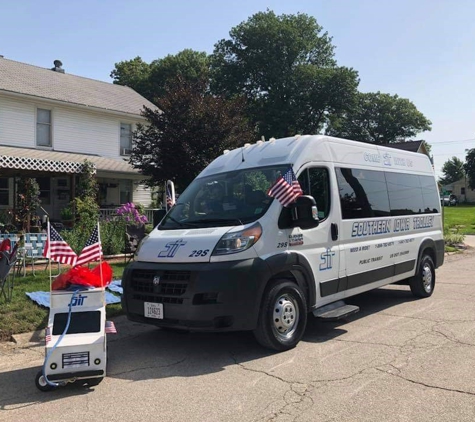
228	256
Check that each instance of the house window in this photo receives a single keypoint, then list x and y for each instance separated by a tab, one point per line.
45	190
125	139
125	187
462	191
43	127
4	191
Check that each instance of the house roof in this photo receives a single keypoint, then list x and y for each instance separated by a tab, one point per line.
34	81
12	159
413	146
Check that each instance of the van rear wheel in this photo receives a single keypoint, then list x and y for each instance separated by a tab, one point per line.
423	282
282	317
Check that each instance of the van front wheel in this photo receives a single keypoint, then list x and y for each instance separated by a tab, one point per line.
423	282
282	317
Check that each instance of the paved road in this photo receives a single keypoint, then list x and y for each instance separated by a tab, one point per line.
399	359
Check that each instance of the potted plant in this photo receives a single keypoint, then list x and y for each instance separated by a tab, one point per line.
67	216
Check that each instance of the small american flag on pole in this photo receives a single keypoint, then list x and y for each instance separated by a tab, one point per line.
57	249
93	249
110	328
286	188
48	335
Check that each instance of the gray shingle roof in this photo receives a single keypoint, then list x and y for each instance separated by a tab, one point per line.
36	81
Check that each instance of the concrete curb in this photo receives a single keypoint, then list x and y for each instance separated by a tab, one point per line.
32	339
469	240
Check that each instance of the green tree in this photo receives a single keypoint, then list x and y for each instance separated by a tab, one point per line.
453	171
28	201
190	129
469	168
150	80
85	208
135	74
285	67
380	119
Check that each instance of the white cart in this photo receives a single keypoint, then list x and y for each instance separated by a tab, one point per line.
78	354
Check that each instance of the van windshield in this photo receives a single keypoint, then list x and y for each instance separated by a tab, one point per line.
225	199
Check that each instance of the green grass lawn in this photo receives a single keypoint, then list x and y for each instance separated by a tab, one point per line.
22	315
460	219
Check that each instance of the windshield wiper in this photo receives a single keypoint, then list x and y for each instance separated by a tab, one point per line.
217	220
181	223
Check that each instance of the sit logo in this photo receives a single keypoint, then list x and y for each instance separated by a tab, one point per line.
171	249
78	300
327	260
387	159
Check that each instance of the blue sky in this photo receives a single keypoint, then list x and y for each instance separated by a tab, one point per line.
423	50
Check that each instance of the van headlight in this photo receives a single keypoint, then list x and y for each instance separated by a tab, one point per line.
238	241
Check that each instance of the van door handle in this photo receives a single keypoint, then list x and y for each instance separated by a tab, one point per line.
334	231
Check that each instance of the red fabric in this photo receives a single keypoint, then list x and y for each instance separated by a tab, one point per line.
83	276
5	246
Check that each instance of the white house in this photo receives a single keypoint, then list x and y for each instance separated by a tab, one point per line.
50	122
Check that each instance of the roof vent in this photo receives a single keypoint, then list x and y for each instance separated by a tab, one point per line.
57	66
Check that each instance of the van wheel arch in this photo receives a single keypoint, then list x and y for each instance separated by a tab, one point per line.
422	284
297	270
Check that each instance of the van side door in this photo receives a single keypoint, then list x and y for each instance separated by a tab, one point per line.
366	236
316	244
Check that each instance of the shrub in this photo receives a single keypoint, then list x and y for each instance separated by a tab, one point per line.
132	214
112	237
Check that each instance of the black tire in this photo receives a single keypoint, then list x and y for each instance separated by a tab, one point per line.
282	317
423	282
41	383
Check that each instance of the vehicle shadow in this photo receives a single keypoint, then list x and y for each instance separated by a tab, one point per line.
370	303
140	352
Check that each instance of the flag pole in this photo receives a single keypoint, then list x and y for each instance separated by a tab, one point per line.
48	255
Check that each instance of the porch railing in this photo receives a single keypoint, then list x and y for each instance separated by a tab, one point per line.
105	213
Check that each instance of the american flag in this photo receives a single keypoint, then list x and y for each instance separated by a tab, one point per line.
93	249
48	335
170	202
110	328
286	188
57	249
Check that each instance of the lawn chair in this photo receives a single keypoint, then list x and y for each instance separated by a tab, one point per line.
7	262
34	246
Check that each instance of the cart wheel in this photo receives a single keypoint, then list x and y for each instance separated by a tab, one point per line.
41	383
92	382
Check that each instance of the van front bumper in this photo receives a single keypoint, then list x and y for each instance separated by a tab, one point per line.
221	296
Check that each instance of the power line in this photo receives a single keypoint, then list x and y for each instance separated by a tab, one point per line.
450	142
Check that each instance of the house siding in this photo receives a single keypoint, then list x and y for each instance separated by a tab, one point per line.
142	195
73	130
17	123
456	189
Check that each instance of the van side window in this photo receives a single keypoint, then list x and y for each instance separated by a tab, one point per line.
315	182
405	194
430	194
363	193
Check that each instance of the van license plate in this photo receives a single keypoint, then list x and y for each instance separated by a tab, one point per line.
153	310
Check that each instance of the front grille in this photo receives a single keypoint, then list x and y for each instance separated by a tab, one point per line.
158	299
170	287
71	360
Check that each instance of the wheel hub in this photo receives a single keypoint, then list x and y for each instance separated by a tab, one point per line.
427	278
285	315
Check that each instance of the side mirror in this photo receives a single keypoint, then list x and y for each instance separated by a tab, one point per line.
305	212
